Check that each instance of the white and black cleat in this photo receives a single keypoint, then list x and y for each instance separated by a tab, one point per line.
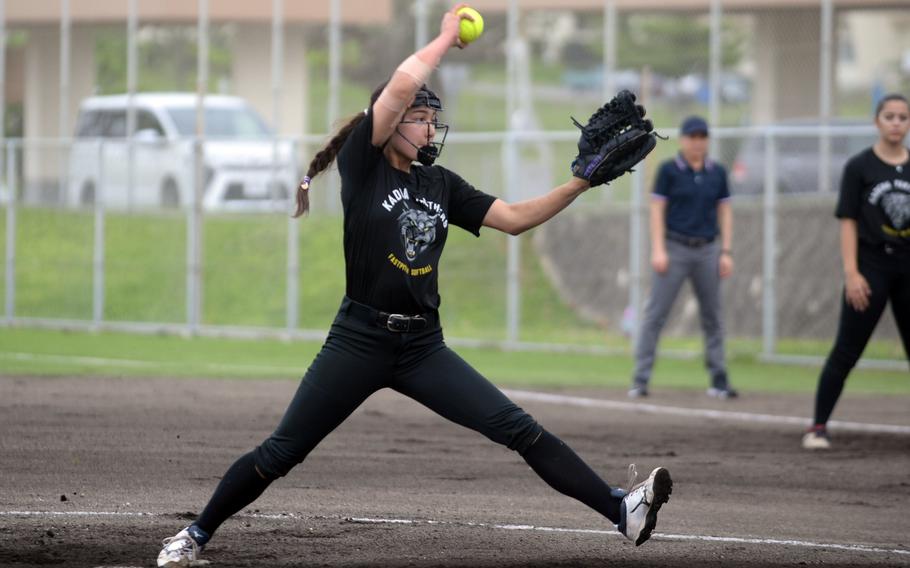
180	551
638	511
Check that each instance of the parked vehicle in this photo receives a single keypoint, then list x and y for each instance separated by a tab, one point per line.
591	79
798	157
241	173
734	88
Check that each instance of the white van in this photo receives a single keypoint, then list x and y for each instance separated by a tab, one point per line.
240	171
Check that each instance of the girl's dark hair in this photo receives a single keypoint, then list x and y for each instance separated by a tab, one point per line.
324	158
888	98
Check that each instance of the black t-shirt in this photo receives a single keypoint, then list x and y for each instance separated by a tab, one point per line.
396	224
877	195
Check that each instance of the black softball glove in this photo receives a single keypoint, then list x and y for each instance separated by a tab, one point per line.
616	137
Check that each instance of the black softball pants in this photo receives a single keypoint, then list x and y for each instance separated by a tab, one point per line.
889	281
359	358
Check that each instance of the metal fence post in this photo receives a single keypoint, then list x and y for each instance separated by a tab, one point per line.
824	94
2	74
293	273
609	60
194	225
513	252
292	308
11	191
513	260
292	277
132	24
64	94
609	64
193	245
714	74
769	259
98	247
11	231
421	24
333	180
277	61
636	245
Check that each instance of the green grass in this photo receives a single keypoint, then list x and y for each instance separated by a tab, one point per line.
244	281
56	353
244	274
54	264
244	284
146	267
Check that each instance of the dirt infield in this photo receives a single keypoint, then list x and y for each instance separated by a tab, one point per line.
395	485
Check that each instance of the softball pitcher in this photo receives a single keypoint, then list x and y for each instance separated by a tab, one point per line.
387	333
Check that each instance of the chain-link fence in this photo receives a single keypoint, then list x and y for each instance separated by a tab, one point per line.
153	211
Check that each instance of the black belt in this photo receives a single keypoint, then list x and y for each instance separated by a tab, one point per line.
398	323
689	241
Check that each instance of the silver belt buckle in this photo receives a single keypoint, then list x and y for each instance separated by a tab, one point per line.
401	323
397	318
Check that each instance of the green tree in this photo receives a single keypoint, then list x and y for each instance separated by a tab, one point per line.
166	59
674	45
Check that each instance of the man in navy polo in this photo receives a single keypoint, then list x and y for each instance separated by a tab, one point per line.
691	236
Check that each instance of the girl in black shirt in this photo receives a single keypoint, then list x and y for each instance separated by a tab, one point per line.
387	333
874	209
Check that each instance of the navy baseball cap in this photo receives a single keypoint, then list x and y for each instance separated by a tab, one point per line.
693	125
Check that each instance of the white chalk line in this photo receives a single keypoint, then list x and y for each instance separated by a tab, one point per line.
496	526
727	415
142	364
659	536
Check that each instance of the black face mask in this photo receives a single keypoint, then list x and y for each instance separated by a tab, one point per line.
427	154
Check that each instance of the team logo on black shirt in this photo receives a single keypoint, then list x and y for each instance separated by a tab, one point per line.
894	197
417	230
897	206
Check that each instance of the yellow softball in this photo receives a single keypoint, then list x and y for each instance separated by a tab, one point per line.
468	30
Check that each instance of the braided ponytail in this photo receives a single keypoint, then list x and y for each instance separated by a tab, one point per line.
324	158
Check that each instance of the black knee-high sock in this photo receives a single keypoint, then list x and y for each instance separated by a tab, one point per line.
240	486
564	471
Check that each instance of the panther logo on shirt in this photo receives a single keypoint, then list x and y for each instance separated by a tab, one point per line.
897	206
417	229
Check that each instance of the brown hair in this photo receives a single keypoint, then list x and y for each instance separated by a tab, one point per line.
324	158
